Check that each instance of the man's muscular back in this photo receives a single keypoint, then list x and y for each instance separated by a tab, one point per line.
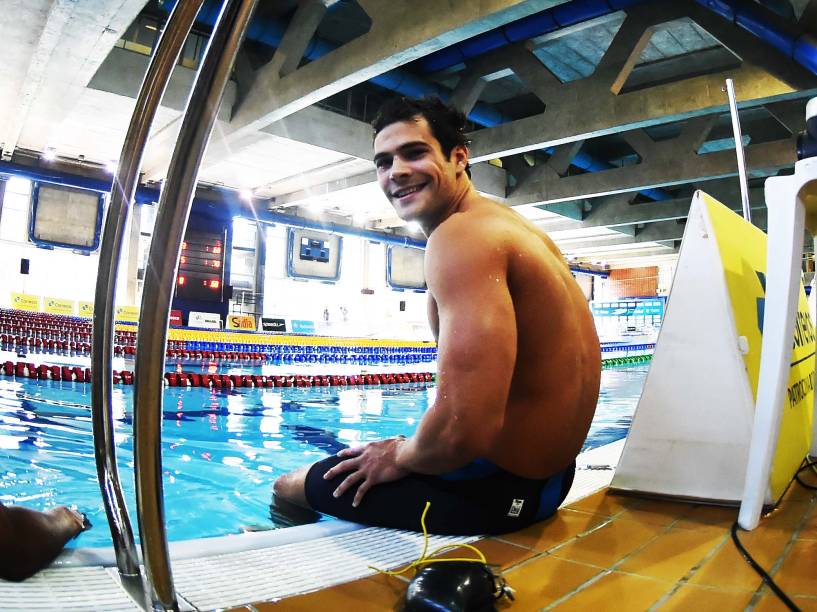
555	381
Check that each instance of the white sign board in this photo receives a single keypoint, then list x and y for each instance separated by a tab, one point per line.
209	320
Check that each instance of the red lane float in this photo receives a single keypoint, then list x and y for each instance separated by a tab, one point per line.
24	369
218	381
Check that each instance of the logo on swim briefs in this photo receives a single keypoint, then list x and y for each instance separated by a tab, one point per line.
516	507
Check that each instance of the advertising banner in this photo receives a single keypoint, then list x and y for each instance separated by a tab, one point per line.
207	320
24	301
58	306
176	317
129	314
86	309
303	327
273	325
245	322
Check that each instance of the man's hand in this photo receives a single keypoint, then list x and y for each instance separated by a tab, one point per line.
371	464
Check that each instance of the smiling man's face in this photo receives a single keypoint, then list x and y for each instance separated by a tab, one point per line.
417	177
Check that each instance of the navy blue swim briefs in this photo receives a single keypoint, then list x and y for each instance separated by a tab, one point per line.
480	498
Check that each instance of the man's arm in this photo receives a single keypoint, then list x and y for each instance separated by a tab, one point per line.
466	271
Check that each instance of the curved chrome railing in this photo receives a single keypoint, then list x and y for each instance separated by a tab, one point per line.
124	186
160	277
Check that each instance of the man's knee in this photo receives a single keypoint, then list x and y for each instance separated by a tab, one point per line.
291	487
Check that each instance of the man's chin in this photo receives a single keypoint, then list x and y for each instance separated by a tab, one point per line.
406	214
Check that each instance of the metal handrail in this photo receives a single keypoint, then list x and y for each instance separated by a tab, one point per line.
153	87
160	277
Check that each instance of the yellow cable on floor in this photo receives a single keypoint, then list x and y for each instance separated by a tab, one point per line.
424	559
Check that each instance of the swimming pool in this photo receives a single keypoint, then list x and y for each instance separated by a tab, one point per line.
221	448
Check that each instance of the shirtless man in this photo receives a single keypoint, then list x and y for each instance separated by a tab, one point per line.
518	356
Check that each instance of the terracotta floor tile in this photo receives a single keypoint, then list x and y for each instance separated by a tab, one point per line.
564	525
497	553
608	544
619	592
770	603
656	512
797	492
544	580
673	554
809	530
605	503
373	594
718	516
702	599
785	517
728	569
798	573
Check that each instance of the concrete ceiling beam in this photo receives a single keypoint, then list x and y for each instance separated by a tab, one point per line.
617	212
789	114
808	19
487	179
751	49
299	32
765	76
400	33
563	156
467	92
47	75
44	76
665	167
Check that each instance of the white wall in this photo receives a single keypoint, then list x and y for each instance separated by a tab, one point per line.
341	308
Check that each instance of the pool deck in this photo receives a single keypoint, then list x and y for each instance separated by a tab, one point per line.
600	550
614	552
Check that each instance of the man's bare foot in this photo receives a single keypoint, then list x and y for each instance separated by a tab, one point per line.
69	521
30	539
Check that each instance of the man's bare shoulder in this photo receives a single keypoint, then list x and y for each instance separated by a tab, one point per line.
485	224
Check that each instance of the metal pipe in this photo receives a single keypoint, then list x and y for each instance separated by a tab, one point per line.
150	94
160	278
744	184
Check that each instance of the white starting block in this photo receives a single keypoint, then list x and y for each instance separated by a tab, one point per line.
727	414
792	207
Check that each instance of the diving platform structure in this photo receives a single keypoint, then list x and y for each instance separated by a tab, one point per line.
727	413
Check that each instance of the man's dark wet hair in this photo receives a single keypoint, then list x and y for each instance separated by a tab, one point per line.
447	123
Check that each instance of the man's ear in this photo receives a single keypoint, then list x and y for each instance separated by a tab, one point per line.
459	155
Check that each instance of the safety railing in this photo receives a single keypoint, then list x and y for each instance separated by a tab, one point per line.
171	219
122	193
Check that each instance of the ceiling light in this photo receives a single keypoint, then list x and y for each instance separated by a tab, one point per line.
50	154
414	226
111	166
245	194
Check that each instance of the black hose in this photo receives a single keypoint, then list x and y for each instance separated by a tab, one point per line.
761	572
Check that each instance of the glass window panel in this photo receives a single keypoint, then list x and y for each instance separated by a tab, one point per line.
244	233
15	210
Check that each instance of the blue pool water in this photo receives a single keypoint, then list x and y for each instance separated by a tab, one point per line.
221	449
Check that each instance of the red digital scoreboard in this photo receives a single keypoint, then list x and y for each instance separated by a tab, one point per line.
201	267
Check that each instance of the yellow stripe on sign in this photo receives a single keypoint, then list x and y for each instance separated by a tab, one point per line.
24	301
742	249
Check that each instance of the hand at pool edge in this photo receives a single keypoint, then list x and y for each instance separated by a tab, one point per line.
370	465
